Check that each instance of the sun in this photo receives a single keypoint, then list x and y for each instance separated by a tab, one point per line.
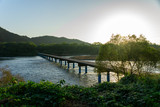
123	23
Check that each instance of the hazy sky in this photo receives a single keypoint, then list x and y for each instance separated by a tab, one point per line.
87	20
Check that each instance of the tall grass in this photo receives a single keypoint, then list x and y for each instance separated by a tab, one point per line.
7	78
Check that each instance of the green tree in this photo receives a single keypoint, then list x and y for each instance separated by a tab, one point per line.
128	54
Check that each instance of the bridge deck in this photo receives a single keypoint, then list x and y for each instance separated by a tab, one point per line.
82	63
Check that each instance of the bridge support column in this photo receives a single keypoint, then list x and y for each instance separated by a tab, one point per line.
108	76
55	60
68	65
60	63
65	63
73	65
99	78
79	69
85	69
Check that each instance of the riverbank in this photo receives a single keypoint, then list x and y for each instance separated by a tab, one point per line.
130	91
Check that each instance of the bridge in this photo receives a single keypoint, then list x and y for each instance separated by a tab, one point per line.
68	61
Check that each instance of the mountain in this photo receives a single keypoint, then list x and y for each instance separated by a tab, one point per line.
53	39
6	36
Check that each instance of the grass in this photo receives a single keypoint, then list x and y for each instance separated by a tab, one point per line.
7	78
130	91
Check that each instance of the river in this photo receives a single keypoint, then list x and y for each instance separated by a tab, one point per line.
37	69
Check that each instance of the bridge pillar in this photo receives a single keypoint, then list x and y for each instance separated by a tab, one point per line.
55	60
60	62
65	63
85	69
79	69
68	65
99	78
108	76
73	65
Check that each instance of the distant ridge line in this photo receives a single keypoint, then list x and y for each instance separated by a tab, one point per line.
7	36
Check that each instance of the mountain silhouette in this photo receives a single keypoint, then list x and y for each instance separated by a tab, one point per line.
6	36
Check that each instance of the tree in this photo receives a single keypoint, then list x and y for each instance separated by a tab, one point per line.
128	54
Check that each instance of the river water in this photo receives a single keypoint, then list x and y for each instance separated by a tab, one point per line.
37	69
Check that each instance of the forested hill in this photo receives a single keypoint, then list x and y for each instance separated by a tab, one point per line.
6	36
56	40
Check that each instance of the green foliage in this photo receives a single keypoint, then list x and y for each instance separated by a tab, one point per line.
30	93
69	49
128	54
30	49
135	92
17	49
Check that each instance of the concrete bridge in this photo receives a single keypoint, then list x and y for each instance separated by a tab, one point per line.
68	61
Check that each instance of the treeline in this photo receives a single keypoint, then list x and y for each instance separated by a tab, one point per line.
30	49
69	49
9	49
17	49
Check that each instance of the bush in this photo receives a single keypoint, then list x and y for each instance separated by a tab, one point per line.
31	93
131	91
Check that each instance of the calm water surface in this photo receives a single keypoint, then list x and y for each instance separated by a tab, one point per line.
37	69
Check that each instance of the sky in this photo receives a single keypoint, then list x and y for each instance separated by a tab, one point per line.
87	20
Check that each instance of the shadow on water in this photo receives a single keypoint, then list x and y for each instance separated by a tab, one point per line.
7	58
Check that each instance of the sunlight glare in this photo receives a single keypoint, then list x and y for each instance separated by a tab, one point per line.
123	24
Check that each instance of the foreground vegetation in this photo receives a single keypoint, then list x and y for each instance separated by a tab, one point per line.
130	91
